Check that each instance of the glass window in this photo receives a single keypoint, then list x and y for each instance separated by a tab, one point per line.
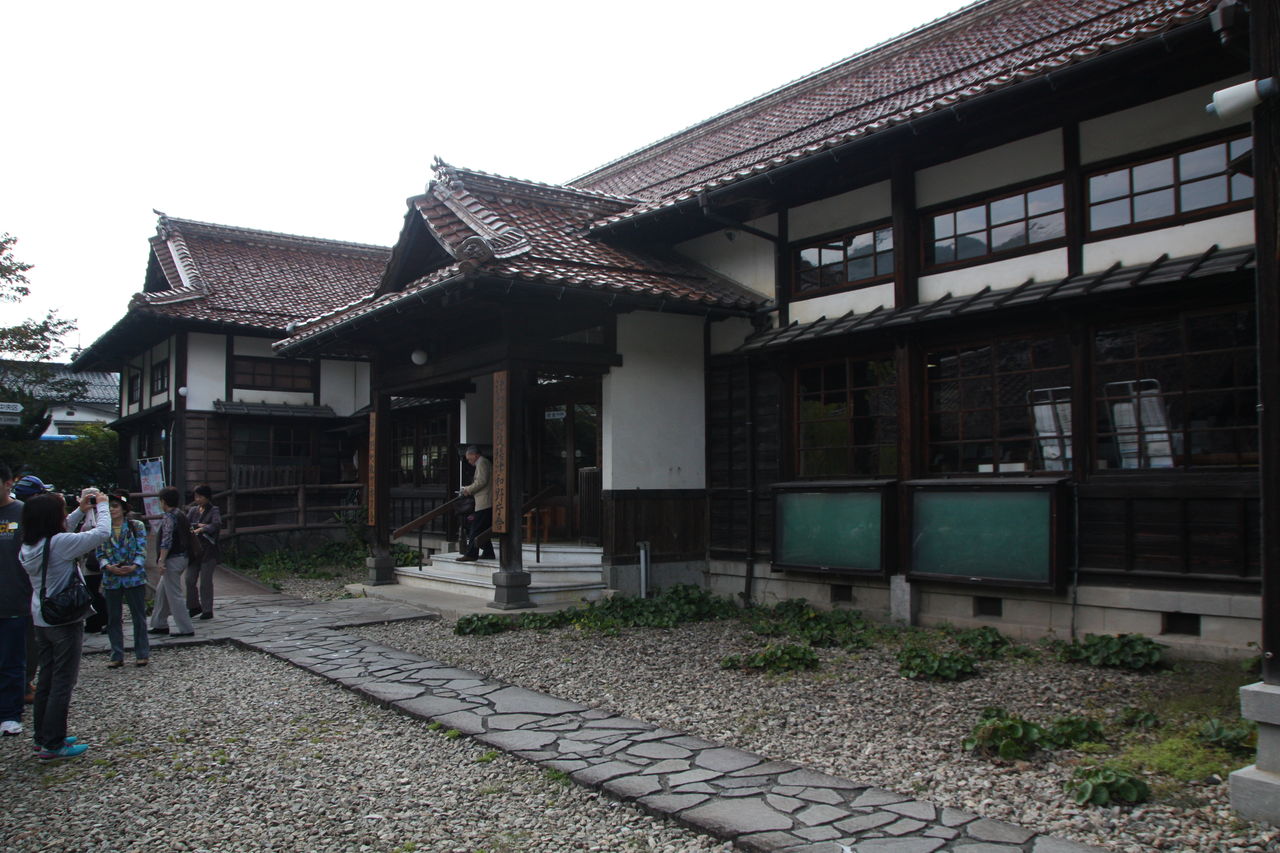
272	374
847	419
160	377
1010	409
1177	393
857	258
1163	188
1000	225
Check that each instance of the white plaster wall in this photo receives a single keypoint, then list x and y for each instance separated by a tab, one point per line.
654	405
253	346
476	422
746	259
1000	275
1150	125
864	205
1224	231
206	370
838	304
340	386
1001	166
728	335
79	414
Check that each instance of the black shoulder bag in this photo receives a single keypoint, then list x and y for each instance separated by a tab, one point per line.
68	605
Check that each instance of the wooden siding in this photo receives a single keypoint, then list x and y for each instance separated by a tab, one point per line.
739	416
672	521
205	450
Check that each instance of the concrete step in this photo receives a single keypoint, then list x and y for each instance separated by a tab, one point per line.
480	585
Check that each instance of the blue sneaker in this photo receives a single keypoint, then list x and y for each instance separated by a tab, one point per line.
69	750
70	739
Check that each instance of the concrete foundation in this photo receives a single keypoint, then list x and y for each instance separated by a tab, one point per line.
382	569
624	578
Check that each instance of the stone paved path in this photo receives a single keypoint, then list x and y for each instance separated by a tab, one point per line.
760	805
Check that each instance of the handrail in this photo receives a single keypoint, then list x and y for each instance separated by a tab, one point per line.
524	510
428	516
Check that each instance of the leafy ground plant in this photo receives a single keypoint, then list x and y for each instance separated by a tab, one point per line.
672	606
915	661
775	657
1121	651
1000	734
796	620
983	643
1101	786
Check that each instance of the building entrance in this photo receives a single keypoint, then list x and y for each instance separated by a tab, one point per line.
565	447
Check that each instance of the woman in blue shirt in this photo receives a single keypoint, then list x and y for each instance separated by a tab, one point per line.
123	558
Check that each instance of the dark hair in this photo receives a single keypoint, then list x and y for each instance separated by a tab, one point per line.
204	490
43	516
120	497
169	496
5	472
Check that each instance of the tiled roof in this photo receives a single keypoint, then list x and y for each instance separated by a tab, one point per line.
1162	271
101	388
534	233
275	410
245	277
977	50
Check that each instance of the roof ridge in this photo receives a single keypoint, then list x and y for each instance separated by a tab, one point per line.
214	229
537	190
788	88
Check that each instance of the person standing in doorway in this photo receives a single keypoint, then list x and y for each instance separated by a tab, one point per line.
206	524
15	611
481	492
171	561
123	559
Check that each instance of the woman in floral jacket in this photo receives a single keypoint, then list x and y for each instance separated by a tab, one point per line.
123	558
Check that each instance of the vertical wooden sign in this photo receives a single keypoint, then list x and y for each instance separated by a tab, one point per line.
371	491
501	457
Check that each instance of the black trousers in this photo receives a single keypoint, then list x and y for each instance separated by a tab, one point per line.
480	522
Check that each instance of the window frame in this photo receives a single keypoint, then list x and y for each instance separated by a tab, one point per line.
133	386
846	236
798	423
275	365
1172	152
987	198
159	377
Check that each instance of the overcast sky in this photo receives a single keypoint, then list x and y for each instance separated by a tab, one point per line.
321	118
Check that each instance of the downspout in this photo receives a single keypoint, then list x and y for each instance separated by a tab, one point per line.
749	581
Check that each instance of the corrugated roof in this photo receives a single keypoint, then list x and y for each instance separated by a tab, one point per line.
1163	270
980	49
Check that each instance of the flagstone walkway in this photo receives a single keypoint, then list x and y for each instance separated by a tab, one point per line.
760	805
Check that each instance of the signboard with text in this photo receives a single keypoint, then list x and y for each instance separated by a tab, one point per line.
372	491
501	485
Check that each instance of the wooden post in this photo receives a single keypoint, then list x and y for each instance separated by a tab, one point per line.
302	505
381	565
511	581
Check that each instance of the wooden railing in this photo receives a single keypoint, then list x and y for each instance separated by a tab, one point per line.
300	507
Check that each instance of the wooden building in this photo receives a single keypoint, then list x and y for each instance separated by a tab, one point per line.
959	329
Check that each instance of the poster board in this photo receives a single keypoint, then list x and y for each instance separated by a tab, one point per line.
151	478
832	527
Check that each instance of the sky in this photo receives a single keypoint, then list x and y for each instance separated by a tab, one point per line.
320	118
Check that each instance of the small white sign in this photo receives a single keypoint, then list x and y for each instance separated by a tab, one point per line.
10	420
554	415
11	407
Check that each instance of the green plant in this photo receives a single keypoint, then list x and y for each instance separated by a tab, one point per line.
1241	738
435	725
796	620
1179	757
1068	731
1102	786
1003	735
984	643
482	624
1121	651
487	756
670	607
775	657
915	661
453	734
558	776
1138	718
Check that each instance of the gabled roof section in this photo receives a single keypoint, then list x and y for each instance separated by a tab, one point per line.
245	277
101	388
481	225
981	48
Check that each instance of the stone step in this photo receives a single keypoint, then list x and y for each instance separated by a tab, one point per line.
480	585
446	566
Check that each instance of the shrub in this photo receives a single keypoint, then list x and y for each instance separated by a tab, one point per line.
1240	738
672	606
1102	786
1068	731
1122	651
775	657
796	620
919	662
1003	735
1138	718
984	643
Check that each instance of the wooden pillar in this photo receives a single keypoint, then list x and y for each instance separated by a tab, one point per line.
511	581
381	565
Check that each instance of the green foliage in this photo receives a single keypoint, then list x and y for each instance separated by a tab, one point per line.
1180	757
1000	734
983	643
672	606
1241	738
916	661
1121	651
487	756
775	657
323	562
90	460
796	620
1138	718
1101	786
1066	732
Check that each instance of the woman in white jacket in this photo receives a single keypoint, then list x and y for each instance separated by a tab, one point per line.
44	525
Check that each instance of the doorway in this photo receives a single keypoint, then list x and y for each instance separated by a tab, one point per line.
566	449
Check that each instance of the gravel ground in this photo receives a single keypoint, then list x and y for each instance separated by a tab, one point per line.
219	749
856	717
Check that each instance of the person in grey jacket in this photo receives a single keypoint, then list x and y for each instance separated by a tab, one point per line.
44	526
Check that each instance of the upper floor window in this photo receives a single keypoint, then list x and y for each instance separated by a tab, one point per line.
1000	406
272	374
847	418
135	385
1182	183
995	226
848	260
160	377
1180	392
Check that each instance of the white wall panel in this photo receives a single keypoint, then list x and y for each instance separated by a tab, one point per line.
859	301
206	370
1224	231
862	206
1000	275
1013	163
745	259
1157	123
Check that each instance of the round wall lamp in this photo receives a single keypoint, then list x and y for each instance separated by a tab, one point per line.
418	357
